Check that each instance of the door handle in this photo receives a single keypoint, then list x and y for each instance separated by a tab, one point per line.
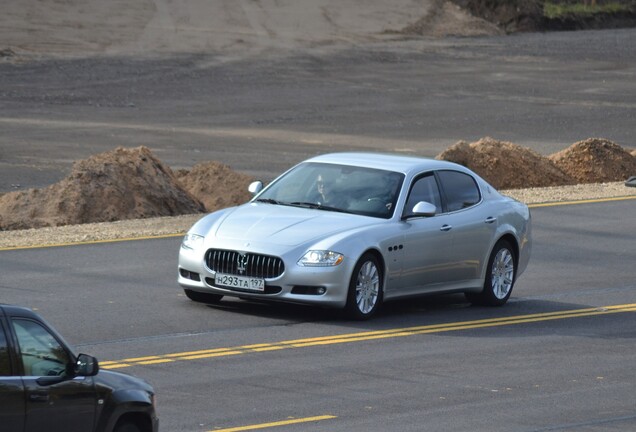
39	397
446	227
491	219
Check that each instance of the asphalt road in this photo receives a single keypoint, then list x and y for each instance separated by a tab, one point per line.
558	357
262	114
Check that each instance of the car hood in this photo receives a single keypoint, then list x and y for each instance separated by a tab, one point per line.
284	225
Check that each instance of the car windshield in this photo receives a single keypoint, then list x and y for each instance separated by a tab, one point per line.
332	187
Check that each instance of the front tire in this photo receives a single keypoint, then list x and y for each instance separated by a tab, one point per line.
500	277
365	288
126	427
200	297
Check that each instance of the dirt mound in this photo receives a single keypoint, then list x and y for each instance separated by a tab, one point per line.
448	19
509	166
506	165
216	185
511	16
595	160
116	185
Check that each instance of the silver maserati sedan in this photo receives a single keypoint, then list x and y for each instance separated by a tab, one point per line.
353	230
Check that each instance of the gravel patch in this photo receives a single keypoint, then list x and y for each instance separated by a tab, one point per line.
578	192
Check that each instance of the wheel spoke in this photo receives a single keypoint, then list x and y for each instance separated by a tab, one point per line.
502	273
367	287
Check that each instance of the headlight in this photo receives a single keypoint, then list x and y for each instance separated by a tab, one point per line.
192	241
317	258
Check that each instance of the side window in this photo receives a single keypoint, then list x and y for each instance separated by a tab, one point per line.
5	366
40	352
424	189
460	189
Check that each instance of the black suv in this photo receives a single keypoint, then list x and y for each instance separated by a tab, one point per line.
44	386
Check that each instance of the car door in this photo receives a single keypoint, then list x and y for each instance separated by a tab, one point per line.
55	400
427	255
473	225
12	403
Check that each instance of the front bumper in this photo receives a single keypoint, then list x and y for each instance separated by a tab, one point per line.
297	284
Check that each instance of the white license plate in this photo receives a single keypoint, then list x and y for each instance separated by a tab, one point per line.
231	281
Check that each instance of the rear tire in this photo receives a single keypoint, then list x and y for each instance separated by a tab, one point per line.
500	277
200	297
365	288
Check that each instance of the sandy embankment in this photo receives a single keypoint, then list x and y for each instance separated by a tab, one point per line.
129	193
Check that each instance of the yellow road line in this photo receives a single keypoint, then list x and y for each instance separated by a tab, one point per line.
162	236
201	356
370	335
150	362
199	352
276	424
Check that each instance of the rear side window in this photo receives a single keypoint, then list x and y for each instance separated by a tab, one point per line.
460	189
5	366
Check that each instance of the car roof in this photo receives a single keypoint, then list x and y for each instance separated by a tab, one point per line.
386	161
14	310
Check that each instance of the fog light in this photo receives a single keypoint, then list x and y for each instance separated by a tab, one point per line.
190	275
308	290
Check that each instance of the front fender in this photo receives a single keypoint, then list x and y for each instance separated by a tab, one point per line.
123	403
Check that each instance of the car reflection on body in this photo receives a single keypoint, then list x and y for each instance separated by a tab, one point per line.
352	230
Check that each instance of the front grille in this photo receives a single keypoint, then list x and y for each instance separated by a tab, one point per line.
248	264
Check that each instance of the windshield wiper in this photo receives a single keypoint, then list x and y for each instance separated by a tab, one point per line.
318	206
268	201
305	204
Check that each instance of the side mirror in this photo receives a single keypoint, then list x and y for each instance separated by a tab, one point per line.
255	187
425	209
86	365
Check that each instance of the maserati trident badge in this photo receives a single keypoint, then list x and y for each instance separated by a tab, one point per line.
241	263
